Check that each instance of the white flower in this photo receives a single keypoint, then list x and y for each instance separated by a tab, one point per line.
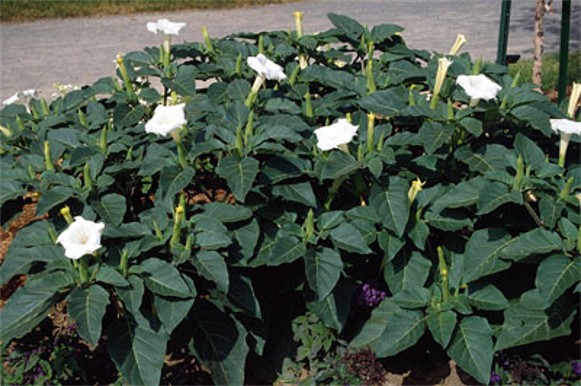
165	26
478	87
565	126
82	237
166	120
24	96
266	68
339	133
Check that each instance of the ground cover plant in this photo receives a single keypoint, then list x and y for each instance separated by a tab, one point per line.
270	200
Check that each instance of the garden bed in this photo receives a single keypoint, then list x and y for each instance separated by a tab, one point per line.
330	208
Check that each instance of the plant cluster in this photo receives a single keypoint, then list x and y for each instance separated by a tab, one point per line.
213	192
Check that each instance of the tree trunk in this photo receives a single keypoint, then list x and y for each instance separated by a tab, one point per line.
538	44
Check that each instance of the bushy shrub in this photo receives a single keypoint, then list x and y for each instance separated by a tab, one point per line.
458	215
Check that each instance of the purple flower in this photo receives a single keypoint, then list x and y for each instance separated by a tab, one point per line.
495	378
369	296
576	365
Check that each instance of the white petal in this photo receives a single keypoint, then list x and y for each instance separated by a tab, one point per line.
339	133
166	119
82	237
566	126
266	67
478	86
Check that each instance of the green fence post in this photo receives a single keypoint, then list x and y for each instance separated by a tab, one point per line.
564	50
503	32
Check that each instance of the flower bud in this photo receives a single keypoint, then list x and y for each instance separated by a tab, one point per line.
574	100
443	64
460	40
47	158
66	213
417	186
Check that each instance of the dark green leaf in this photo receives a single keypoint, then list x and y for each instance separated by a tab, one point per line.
488	298
494	195
434	134
322	269
348	238
219	343
471	348
111	208
442	324
239	174
211	266
87	306
392	204
555	275
537	241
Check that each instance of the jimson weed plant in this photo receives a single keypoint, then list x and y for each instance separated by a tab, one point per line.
211	193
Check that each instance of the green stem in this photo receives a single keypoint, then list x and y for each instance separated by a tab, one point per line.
443	274
370	132
87	176
516	185
47	158
249	132
84	269
332	191
124	263
308	106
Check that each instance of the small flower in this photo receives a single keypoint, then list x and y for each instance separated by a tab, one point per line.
574	99
82	237
495	378
339	133
266	68
369	296
576	367
166	120
478	87
165	26
566	128
23	96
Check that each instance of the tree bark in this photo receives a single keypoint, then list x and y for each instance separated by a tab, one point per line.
538	44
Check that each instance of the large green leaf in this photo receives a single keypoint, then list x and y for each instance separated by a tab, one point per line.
132	296
137	351
407	272
530	321
442	324
388	102
111	208
227	213
87	306
29	305
338	165
239	174
348	26
551	210
171	181
348	238
322	268
488	298
125	115
462	195
471	347
162	278
404	330
555	275
301	192
494	195
53	197
211	265
333	309
434	134
537	241
482	253
532	154
286	250
485	158
171	311
376	324
390	244
242	294
391	204
19	260
219	342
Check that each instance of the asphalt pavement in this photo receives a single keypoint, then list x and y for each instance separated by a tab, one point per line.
80	51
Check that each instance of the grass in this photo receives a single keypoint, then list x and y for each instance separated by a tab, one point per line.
550	70
14	11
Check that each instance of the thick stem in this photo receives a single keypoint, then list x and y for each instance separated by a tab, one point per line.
84	269
538	43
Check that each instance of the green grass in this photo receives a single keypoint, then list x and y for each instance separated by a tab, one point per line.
550	70
13	11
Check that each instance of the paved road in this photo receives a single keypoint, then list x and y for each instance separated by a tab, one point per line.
80	51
